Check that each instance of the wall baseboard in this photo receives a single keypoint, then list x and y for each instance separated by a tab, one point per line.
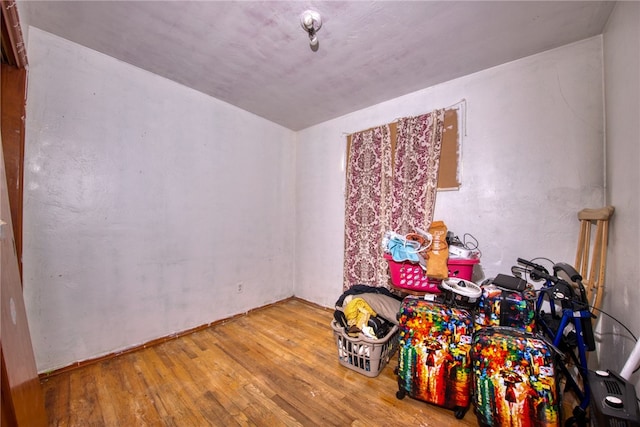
83	363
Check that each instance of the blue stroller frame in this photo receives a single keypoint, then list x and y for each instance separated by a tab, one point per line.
566	307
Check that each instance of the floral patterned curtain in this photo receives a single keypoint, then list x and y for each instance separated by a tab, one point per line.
388	191
368	206
415	174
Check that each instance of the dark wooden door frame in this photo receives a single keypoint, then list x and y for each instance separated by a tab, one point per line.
13	47
12	102
22	400
22	397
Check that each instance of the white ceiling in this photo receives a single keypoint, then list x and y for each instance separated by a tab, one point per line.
255	54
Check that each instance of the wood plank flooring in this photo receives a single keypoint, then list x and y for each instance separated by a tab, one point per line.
276	366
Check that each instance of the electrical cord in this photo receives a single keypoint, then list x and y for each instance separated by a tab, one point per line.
617	321
546	259
468	242
601	311
474	245
621	324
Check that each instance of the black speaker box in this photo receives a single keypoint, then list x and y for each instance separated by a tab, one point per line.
613	401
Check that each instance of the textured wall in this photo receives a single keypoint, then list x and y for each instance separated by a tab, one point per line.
146	205
532	158
622	95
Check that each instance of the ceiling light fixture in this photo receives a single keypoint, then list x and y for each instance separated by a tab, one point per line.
311	21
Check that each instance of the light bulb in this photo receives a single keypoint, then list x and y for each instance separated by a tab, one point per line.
311	21
308	21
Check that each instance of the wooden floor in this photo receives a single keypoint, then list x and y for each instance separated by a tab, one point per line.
276	366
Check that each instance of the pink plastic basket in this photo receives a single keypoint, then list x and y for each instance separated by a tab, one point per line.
461	267
407	275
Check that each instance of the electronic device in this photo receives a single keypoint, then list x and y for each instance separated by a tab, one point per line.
460	292
613	400
459	252
510	282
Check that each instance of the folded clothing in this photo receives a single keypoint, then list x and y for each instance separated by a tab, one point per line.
376	326
384	306
365	289
357	312
377	305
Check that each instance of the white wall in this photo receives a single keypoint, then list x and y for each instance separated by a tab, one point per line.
145	204
532	158
622	105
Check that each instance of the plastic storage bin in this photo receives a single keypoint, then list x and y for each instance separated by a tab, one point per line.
411	276
365	355
461	267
